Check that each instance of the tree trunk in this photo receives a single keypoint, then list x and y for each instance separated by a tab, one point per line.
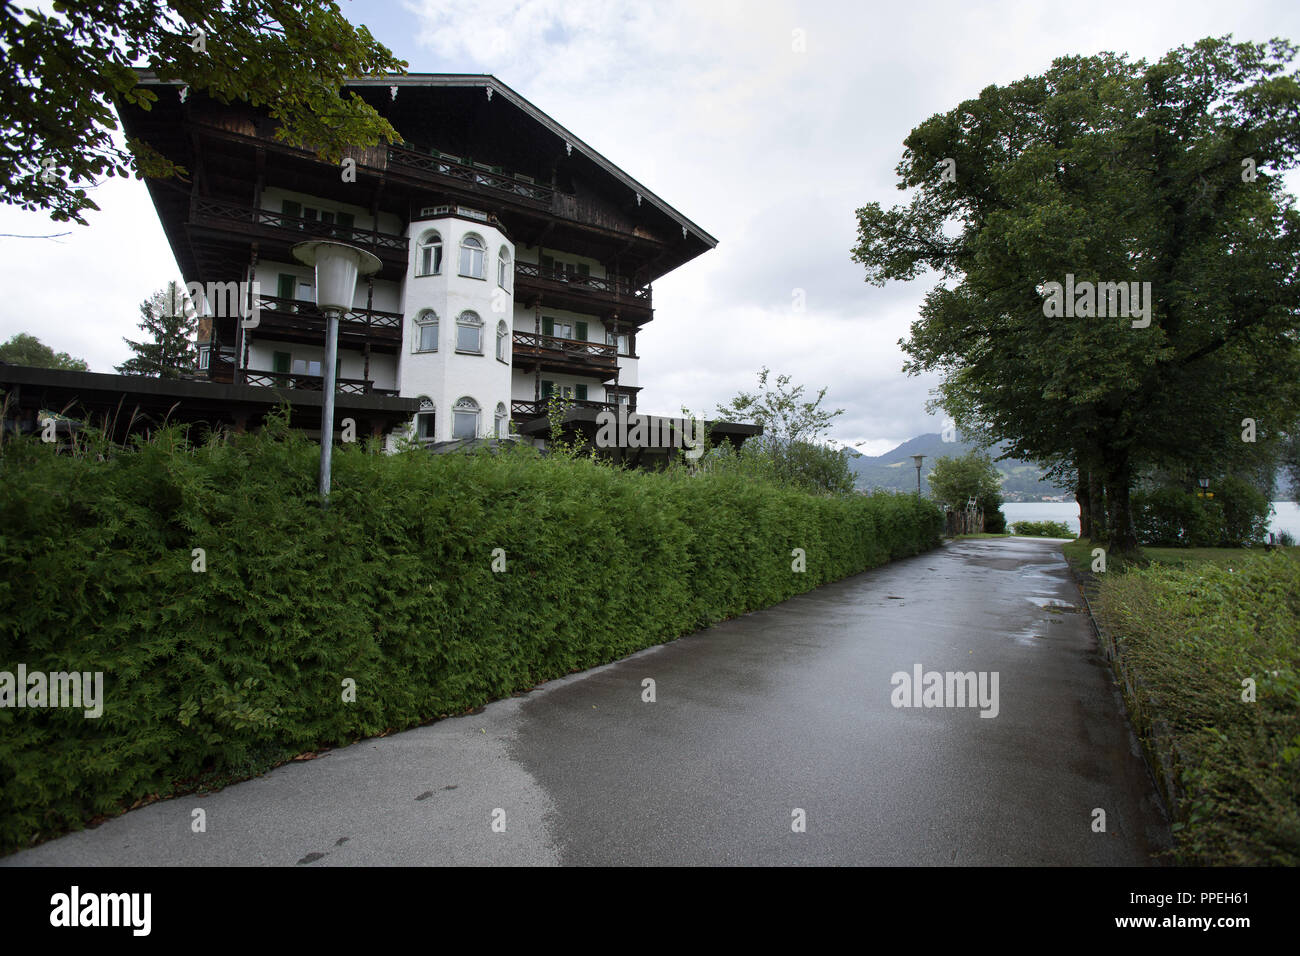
1097	502
1085	505
1119	508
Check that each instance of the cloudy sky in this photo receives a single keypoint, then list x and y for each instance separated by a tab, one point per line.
768	123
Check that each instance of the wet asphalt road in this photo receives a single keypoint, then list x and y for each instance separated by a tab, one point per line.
783	710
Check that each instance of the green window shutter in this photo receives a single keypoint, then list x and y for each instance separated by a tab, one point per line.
548	264
346	220
580	392
548	325
280	362
582	330
584	269
284	286
291	208
546	389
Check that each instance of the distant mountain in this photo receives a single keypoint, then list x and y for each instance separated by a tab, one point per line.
896	471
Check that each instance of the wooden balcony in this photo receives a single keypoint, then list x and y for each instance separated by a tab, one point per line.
311	383
297	321
531	410
600	295
281	232
552	354
447	171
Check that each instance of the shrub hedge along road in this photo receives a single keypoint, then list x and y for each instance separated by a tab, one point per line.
222	672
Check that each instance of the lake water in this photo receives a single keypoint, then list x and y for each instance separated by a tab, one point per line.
1286	515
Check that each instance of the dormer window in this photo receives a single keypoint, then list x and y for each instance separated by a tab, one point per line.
472	259
429	261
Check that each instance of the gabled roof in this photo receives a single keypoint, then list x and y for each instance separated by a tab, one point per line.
487	81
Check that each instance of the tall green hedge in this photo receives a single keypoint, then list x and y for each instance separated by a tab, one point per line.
393	586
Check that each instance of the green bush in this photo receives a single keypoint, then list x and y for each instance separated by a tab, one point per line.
392	586
995	522
1216	653
1172	517
1042	529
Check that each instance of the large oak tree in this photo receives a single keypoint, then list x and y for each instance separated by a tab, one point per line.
63	70
1109	171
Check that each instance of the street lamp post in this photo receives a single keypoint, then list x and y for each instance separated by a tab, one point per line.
337	267
918	459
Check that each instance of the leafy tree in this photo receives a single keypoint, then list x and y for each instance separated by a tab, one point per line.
955	480
792	431
1109	171
171	324
24	349
66	69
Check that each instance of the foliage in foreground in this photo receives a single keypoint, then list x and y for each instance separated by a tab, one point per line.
1193	636
392	586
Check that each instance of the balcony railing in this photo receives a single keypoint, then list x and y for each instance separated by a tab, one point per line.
566	351
615	286
254	221
402	156
293	314
311	383
525	409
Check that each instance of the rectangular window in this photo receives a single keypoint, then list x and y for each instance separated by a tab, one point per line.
563	329
429	337
431	259
465	425
284	286
204	354
291	208
426	426
621	340
546	389
548	265
346	220
580	392
306	367
280	362
548	325
467	338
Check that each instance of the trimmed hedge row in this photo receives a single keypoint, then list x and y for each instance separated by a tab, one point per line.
207	672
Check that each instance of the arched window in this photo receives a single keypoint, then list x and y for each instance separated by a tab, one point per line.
503	421
429	259
426	331
469	333
503	269
465	418
503	342
426	421
472	261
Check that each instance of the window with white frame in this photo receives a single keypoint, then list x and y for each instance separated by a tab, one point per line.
305	366
204	355
503	421
503	269
465	418
503	342
426	421
472	257
621	340
469	333
426	331
429	259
